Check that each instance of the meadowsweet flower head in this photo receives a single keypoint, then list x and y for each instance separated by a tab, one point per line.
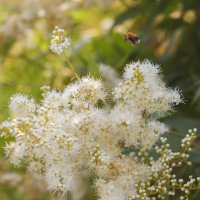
59	41
143	88
83	94
73	130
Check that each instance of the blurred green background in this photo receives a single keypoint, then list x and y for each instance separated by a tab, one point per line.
170	36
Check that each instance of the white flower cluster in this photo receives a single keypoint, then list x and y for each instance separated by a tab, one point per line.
162	182
71	130
21	105
59	42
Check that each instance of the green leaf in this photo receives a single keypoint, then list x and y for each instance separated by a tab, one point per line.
183	123
196	96
195	157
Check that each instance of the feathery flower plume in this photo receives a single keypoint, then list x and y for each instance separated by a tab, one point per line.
69	131
59	41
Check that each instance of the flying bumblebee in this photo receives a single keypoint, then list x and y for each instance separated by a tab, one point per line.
132	37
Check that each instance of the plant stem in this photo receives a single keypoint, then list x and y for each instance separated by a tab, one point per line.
72	68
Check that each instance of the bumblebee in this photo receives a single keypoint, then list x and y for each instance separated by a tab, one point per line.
132	37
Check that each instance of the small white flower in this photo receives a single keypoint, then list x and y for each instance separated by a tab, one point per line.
21	105
59	42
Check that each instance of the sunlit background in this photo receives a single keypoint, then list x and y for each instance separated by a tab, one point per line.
170	36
